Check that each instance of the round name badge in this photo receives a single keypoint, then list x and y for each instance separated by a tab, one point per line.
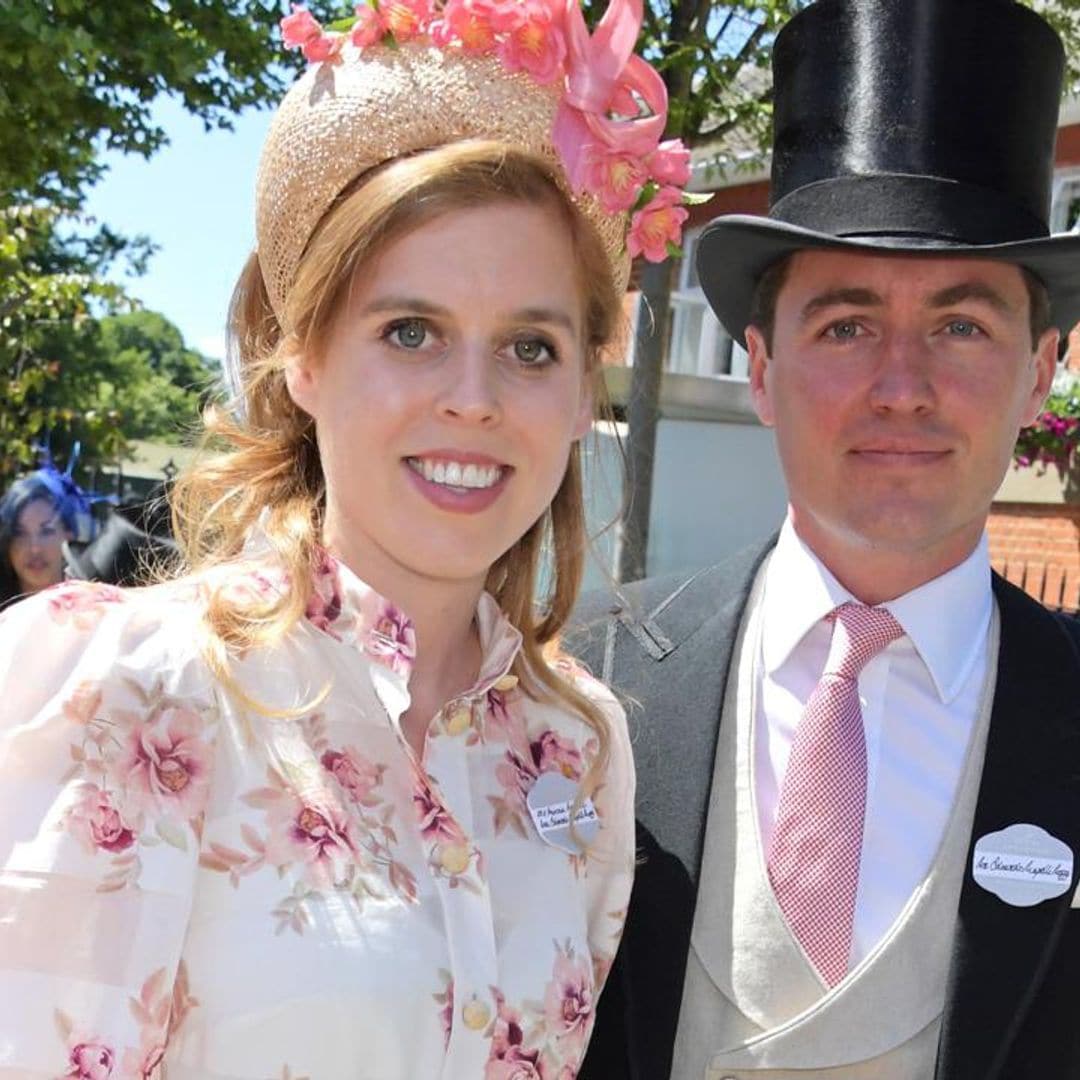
1023	865
550	801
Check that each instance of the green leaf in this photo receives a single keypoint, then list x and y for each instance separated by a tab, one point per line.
343	26
674	251
696	198
645	196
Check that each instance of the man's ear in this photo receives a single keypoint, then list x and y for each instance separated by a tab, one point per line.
301	380
759	383
1044	361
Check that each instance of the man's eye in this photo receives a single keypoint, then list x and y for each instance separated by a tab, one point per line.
962	328
844	331
408	333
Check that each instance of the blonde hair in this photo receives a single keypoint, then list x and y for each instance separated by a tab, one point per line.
268	469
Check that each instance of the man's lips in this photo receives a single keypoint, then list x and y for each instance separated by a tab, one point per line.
893	454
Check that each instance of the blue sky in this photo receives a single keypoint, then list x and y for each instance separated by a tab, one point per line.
194	199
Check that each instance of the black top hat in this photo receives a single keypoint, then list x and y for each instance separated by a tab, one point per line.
916	126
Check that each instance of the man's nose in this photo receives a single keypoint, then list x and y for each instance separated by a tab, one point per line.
903	378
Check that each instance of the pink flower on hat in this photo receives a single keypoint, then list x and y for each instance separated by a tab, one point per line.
299	28
369	28
474	24
537	43
615	179
656	225
669	163
405	19
303	31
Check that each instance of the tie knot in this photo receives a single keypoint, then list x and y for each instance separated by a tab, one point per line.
859	634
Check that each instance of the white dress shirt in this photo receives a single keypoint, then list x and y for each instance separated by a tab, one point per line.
919	697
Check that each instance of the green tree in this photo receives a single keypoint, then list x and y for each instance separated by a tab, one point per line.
714	57
79	76
75	362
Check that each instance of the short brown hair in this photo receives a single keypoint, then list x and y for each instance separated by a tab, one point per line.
767	289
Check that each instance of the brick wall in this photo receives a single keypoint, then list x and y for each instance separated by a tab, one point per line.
1037	546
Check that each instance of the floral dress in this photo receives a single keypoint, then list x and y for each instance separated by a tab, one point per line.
196	888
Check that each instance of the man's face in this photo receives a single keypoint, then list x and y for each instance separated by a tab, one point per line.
897	386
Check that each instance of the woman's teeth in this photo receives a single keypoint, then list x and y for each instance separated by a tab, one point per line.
454	474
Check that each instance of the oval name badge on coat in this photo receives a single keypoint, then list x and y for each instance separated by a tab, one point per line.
550	801
1023	865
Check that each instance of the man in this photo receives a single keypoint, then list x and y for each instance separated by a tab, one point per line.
858	751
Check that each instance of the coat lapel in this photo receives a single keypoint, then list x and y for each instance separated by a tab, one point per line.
1030	775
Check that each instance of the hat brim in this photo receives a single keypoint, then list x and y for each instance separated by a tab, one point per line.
734	251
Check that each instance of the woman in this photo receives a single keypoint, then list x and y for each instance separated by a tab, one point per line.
306	811
37	514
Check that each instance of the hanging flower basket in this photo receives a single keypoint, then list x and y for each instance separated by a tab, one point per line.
1055	435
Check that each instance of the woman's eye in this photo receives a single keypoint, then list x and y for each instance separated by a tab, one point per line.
534	352
408	333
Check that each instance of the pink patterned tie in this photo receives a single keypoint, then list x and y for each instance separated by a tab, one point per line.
813	860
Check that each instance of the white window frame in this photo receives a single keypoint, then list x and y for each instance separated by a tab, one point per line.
687	300
1066	188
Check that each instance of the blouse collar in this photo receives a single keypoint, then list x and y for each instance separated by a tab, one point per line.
350	611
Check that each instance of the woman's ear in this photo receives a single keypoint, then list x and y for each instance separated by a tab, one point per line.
584	419
301	380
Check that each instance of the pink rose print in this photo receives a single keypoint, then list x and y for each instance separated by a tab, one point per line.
446	1000
90	1061
391	639
82	603
166	762
324	607
508	1058
315	836
436	824
568	1003
517	1064
551	753
356	774
98	824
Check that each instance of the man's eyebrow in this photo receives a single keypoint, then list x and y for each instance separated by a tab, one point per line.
854	296
971	290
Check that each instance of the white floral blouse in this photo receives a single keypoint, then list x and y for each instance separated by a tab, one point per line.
193	890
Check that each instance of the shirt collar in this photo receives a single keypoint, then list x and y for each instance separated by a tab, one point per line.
946	619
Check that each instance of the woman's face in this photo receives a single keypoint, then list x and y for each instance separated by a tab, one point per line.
35	552
450	392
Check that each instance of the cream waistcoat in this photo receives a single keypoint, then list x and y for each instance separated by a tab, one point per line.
753	1006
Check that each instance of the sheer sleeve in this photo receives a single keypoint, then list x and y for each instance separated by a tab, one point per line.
107	728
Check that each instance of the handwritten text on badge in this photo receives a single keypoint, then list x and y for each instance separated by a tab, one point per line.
550	801
1023	865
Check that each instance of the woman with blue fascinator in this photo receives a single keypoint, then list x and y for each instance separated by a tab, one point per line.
38	513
